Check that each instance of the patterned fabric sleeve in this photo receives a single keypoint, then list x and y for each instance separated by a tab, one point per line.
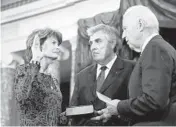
63	119
49	116
38	96
24	77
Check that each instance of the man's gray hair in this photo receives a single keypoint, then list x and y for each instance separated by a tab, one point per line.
143	12
111	32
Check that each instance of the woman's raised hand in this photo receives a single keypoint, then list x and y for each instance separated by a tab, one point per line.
37	54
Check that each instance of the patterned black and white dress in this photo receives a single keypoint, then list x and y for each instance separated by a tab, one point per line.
38	97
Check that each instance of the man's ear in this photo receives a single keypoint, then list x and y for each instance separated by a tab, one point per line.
113	43
141	24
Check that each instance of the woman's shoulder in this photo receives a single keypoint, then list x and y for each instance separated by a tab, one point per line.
28	67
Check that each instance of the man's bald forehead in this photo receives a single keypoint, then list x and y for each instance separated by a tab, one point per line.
143	13
136	10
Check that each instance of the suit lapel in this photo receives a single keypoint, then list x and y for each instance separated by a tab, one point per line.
113	74
92	76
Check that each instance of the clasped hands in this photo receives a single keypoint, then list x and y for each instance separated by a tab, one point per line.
106	113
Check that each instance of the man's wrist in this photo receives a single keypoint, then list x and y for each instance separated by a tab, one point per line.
118	114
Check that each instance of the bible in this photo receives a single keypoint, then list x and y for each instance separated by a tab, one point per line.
79	110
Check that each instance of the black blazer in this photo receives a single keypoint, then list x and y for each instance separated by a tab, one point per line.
152	85
114	86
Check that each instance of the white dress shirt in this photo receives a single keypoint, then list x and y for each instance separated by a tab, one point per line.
109	66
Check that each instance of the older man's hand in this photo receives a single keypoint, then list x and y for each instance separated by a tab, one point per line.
102	115
105	114
112	107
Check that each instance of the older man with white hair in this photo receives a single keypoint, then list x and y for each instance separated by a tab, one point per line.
152	85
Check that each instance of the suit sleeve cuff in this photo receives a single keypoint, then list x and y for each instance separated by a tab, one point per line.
124	112
123	107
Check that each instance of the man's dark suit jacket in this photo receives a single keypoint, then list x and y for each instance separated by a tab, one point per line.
152	85
114	86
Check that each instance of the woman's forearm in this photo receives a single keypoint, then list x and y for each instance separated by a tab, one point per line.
24	78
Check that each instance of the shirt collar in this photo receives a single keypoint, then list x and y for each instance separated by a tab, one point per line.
109	65
147	41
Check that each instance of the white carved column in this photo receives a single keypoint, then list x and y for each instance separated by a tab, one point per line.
73	42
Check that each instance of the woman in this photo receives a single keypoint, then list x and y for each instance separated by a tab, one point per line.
37	90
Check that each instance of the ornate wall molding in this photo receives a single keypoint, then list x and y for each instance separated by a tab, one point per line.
17	23
16	4
32	8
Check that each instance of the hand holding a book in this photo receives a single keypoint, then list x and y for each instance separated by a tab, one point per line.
112	107
63	119
103	115
107	113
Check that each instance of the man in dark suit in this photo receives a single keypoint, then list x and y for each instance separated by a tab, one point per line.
152	85
109	75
